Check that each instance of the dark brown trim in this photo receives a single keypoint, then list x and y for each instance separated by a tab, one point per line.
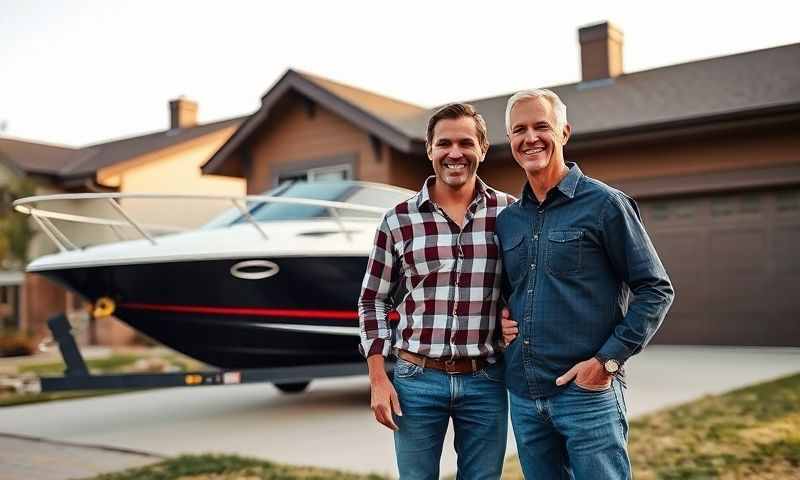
778	115
717	182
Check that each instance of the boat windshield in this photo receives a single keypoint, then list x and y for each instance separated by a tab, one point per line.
341	191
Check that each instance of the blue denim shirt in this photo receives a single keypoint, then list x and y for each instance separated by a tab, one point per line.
570	266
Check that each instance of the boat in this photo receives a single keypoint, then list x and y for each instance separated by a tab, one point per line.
271	282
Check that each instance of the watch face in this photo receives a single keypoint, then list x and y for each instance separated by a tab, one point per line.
611	366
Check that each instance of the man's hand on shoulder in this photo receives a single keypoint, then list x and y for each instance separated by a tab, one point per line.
589	374
384	400
509	326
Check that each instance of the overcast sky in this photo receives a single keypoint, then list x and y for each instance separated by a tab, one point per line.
80	72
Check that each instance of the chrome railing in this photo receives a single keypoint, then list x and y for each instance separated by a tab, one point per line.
30	206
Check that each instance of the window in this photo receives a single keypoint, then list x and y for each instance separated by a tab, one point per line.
320	174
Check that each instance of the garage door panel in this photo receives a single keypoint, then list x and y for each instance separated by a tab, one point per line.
787	250
684	255
735	263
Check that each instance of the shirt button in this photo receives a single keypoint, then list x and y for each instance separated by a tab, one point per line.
541	210
533	266
526	342
530	291
536	237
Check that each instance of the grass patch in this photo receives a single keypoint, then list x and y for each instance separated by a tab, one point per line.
114	363
750	433
228	467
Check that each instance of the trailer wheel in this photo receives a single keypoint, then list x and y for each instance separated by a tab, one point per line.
295	387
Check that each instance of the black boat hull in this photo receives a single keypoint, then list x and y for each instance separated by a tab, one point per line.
305	314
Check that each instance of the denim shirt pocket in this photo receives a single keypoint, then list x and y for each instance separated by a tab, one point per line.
515	256
564	251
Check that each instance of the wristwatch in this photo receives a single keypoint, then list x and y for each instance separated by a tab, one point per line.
611	365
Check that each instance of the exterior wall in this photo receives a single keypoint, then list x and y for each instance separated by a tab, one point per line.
298	137
695	156
176	170
40	299
409	171
503	174
670	159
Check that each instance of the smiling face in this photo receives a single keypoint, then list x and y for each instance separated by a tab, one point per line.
455	151
537	144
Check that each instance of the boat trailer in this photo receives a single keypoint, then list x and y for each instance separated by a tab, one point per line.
78	377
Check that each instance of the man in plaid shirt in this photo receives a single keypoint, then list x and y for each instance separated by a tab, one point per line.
435	261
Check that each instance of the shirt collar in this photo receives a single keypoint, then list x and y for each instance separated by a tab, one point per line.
567	185
481	191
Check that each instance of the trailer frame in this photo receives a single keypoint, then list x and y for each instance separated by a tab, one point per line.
78	377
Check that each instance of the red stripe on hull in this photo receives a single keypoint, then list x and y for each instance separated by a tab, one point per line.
263	312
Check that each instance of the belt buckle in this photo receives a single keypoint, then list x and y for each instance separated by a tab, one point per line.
450	366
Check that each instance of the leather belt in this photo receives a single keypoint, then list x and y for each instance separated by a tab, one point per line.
459	365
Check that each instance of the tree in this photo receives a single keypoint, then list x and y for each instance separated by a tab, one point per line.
15	228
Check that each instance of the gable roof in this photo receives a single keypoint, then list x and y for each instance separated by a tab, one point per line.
761	82
69	163
386	118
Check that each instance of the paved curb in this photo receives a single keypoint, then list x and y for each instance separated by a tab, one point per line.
25	457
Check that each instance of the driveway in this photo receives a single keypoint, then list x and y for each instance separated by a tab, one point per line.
330	425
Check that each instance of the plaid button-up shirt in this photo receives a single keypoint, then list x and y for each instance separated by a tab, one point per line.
443	280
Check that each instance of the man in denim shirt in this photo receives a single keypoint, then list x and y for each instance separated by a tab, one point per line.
574	252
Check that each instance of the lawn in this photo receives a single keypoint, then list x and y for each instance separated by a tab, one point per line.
228	467
752	433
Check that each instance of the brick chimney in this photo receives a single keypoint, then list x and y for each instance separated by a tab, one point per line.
601	51
182	113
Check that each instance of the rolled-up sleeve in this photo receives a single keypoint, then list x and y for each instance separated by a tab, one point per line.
636	262
374	303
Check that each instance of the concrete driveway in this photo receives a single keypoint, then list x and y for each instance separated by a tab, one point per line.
331	425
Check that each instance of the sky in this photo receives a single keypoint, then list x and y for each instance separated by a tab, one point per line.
80	72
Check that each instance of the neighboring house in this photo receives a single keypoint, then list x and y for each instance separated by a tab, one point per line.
162	162
709	148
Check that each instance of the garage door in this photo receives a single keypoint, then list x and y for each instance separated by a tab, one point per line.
735	264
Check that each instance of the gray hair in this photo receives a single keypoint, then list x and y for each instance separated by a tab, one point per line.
558	106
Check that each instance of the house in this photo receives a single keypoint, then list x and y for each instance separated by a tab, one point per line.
708	148
166	161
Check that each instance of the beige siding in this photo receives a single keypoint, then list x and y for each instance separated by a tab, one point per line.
175	171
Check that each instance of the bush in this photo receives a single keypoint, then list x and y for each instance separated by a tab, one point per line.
15	344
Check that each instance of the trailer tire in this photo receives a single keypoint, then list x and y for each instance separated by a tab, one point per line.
294	387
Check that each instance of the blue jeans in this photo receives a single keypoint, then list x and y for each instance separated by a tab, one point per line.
574	434
477	403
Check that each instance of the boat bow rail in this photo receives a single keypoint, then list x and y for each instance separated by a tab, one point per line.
43	216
